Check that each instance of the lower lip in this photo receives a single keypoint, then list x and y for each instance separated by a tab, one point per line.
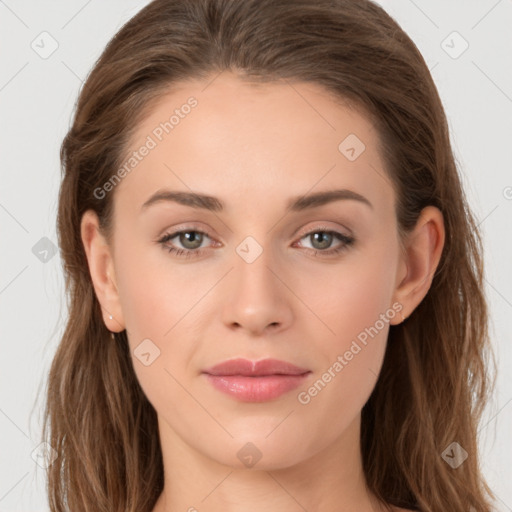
256	389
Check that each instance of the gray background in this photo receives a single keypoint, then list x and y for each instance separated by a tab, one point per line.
37	94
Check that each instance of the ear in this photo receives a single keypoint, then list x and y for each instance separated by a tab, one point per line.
101	268
420	259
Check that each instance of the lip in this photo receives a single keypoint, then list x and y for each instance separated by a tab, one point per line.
259	368
255	381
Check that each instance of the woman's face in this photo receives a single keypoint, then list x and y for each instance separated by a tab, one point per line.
312	284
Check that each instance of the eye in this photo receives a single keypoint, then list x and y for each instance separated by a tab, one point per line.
191	239
322	239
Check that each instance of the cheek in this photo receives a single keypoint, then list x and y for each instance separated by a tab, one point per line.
356	305
154	293
355	294
358	310
162	301
157	306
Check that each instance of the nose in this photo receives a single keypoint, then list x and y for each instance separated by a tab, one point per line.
257	299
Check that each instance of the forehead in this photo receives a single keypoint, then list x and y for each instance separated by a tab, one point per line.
226	136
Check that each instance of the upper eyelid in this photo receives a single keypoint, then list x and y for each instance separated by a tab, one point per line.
322	227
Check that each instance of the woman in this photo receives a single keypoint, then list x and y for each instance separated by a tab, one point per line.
275	280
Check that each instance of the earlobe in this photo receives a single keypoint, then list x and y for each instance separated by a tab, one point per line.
423	253
101	269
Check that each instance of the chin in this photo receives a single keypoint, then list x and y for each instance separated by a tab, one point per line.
258	452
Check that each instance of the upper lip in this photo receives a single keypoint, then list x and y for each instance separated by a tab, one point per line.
263	367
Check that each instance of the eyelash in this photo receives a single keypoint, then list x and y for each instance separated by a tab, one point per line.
187	253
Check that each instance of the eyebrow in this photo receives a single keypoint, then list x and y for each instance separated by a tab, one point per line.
296	204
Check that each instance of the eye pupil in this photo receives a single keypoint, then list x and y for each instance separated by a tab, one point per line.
322	235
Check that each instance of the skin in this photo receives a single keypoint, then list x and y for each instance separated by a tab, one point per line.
254	147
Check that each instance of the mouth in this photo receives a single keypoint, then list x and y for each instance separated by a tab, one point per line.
255	381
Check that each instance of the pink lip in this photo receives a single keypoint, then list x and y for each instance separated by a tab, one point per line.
255	381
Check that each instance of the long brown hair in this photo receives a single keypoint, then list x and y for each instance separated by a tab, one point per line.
435	380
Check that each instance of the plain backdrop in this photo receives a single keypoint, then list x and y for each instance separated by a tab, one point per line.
48	48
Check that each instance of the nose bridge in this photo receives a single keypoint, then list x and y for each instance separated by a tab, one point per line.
258	297
253	263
